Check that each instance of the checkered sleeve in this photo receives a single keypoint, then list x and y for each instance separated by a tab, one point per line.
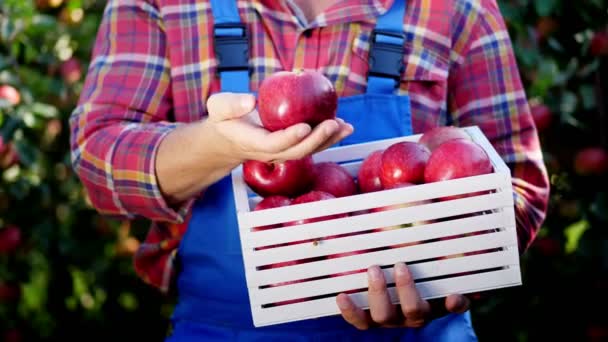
122	114
486	90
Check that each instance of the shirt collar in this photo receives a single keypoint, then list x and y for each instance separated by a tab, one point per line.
340	12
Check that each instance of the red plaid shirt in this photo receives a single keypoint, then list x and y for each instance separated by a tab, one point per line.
153	67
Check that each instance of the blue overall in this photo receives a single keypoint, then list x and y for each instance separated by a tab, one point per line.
213	302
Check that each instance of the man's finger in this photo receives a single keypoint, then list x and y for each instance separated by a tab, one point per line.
224	106
456	303
345	130
318	137
380	306
351	313
414	308
279	141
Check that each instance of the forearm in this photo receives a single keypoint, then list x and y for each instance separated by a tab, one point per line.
190	159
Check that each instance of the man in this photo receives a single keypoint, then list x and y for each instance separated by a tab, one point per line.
164	118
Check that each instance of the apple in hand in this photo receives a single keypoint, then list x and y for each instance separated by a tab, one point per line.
457	159
438	135
287	98
290	178
313	196
403	162
369	173
268	203
333	178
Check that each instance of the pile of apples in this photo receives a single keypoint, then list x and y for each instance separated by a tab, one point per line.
442	153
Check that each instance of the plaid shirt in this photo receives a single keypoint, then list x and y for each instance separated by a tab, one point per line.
153	67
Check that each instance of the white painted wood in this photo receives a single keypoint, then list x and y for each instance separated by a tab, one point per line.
438	288
375	240
359	280
364	222
384	198
384	257
416	207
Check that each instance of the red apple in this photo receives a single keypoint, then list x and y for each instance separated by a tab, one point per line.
271	202
9	292
541	114
548	246
10	239
290	178
457	159
334	179
9	157
314	196
13	335
10	94
591	161
597	333
3	146
287	98
599	44
369	173
438	135
403	162
71	71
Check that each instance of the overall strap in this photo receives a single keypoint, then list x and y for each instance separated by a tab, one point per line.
386	51
231	43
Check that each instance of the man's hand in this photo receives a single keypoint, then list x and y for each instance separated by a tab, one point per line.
414	312
198	154
236	123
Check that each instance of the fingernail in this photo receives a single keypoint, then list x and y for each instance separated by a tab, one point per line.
303	131
331	129
344	303
400	269
374	273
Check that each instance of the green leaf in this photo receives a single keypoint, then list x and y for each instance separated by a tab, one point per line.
545	7
27	152
569	103
573	234
44	110
587	93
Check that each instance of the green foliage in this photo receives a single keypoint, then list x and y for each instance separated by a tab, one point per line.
73	269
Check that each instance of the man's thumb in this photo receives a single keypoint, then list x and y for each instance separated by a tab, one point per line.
225	106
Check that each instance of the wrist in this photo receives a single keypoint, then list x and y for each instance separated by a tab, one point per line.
217	146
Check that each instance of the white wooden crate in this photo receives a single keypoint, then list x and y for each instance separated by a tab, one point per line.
457	246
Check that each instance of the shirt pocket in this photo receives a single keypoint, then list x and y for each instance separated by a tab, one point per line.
424	78
424	64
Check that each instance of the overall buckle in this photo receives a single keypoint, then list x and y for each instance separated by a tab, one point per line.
231	46
386	58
